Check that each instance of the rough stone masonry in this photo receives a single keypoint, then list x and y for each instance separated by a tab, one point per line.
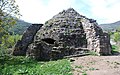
67	33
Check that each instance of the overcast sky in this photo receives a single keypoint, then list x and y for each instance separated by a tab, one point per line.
39	11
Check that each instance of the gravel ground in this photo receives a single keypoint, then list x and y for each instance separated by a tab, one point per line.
96	65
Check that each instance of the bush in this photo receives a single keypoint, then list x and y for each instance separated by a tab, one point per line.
115	49
116	36
7	43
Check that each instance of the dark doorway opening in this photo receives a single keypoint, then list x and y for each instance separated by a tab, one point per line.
49	40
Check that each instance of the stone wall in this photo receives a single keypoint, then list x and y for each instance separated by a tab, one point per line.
27	38
97	40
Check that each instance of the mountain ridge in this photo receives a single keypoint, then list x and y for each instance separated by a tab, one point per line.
110	26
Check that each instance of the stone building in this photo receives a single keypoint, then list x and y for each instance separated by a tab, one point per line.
67	33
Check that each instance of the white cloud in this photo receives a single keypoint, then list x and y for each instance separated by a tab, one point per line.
105	10
31	10
39	11
36	11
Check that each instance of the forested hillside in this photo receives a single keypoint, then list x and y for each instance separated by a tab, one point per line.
20	27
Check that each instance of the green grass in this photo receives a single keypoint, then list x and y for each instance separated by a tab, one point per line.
92	69
115	49
84	73
24	66
79	66
93	53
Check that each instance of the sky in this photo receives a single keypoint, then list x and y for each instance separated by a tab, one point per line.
39	11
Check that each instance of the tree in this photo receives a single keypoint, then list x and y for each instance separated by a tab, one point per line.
9	13
116	36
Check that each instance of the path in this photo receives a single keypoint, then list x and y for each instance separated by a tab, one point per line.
96	65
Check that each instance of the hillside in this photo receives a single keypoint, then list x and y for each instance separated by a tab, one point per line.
110	26
20	27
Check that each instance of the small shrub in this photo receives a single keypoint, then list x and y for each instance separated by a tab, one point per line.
84	73
115	49
93	53
79	66
92	69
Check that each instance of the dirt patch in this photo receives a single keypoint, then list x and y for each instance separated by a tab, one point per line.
96	65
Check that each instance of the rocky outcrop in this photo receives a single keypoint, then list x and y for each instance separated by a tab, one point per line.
27	38
66	34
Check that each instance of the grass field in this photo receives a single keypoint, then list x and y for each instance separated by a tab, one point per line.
24	66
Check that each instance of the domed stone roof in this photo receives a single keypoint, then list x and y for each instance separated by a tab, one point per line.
65	26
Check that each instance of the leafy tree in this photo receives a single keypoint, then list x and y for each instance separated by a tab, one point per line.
11	40
9	13
8	43
116	36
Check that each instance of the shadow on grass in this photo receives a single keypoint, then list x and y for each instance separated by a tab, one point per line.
116	53
115	50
